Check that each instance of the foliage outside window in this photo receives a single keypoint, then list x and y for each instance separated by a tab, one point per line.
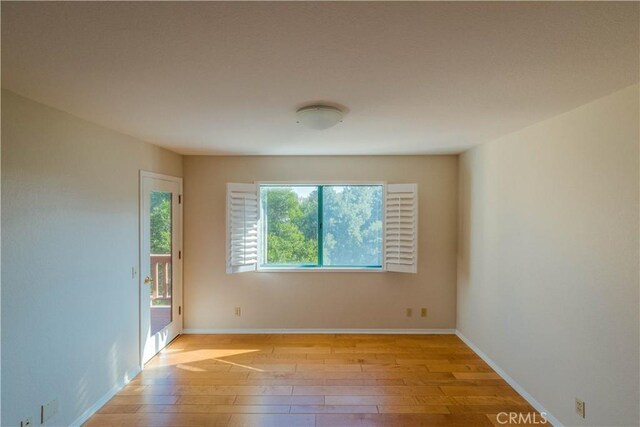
160	241
322	225
160	223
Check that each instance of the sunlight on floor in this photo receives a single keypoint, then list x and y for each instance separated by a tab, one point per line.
239	365
186	360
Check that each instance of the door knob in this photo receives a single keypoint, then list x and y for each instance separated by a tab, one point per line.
148	280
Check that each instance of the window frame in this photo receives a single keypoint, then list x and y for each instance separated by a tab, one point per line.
308	268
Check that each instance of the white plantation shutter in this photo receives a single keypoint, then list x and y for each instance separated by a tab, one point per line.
242	227
401	228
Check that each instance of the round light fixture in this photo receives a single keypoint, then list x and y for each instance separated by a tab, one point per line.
319	116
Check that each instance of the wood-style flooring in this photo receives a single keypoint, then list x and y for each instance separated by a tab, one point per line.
315	380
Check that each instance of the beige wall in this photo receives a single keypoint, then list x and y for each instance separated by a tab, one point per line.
70	239
316	299
548	262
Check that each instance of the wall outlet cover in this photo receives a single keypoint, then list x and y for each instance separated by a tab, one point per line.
49	410
580	408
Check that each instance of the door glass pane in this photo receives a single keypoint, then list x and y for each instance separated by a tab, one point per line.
290	221
352	225
160	259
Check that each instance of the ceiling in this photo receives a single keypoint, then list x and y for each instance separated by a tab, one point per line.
226	77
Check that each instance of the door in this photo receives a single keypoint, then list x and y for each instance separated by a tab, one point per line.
160	262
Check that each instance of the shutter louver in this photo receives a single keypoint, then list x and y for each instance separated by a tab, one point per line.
401	228
242	227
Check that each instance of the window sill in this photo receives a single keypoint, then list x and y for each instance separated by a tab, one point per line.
320	270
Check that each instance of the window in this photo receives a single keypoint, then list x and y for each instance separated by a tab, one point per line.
314	226
290	225
322	227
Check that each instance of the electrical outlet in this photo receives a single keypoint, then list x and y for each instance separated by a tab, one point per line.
49	410
423	312
27	422
409	312
580	408
238	311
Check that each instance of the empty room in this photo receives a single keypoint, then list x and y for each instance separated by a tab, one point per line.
315	213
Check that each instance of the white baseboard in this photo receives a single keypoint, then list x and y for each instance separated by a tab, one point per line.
189	331
517	387
104	399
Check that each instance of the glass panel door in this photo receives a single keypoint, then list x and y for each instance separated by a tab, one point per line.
160	302
160	263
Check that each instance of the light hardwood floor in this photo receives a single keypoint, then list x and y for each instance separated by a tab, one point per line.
315	380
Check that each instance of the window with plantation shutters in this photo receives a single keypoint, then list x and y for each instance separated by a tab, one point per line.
324	226
242	227
401	228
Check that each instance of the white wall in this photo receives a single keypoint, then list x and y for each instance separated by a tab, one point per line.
319	299
548	258
70	239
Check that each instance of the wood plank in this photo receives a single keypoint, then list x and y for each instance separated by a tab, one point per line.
211	409
393	367
490	409
365	390
490	400
413	409
119	409
279	400
264	367
302	350
476	376
478	391
205	400
458	368
370	400
359	382
272	420
383	420
329	375
158	420
142	399
334	409
422	380
211	390
331	367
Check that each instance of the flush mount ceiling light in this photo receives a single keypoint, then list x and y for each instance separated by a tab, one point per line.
319	116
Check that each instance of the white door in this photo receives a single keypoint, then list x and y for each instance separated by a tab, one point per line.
160	262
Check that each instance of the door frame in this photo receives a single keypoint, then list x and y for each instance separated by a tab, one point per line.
176	267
